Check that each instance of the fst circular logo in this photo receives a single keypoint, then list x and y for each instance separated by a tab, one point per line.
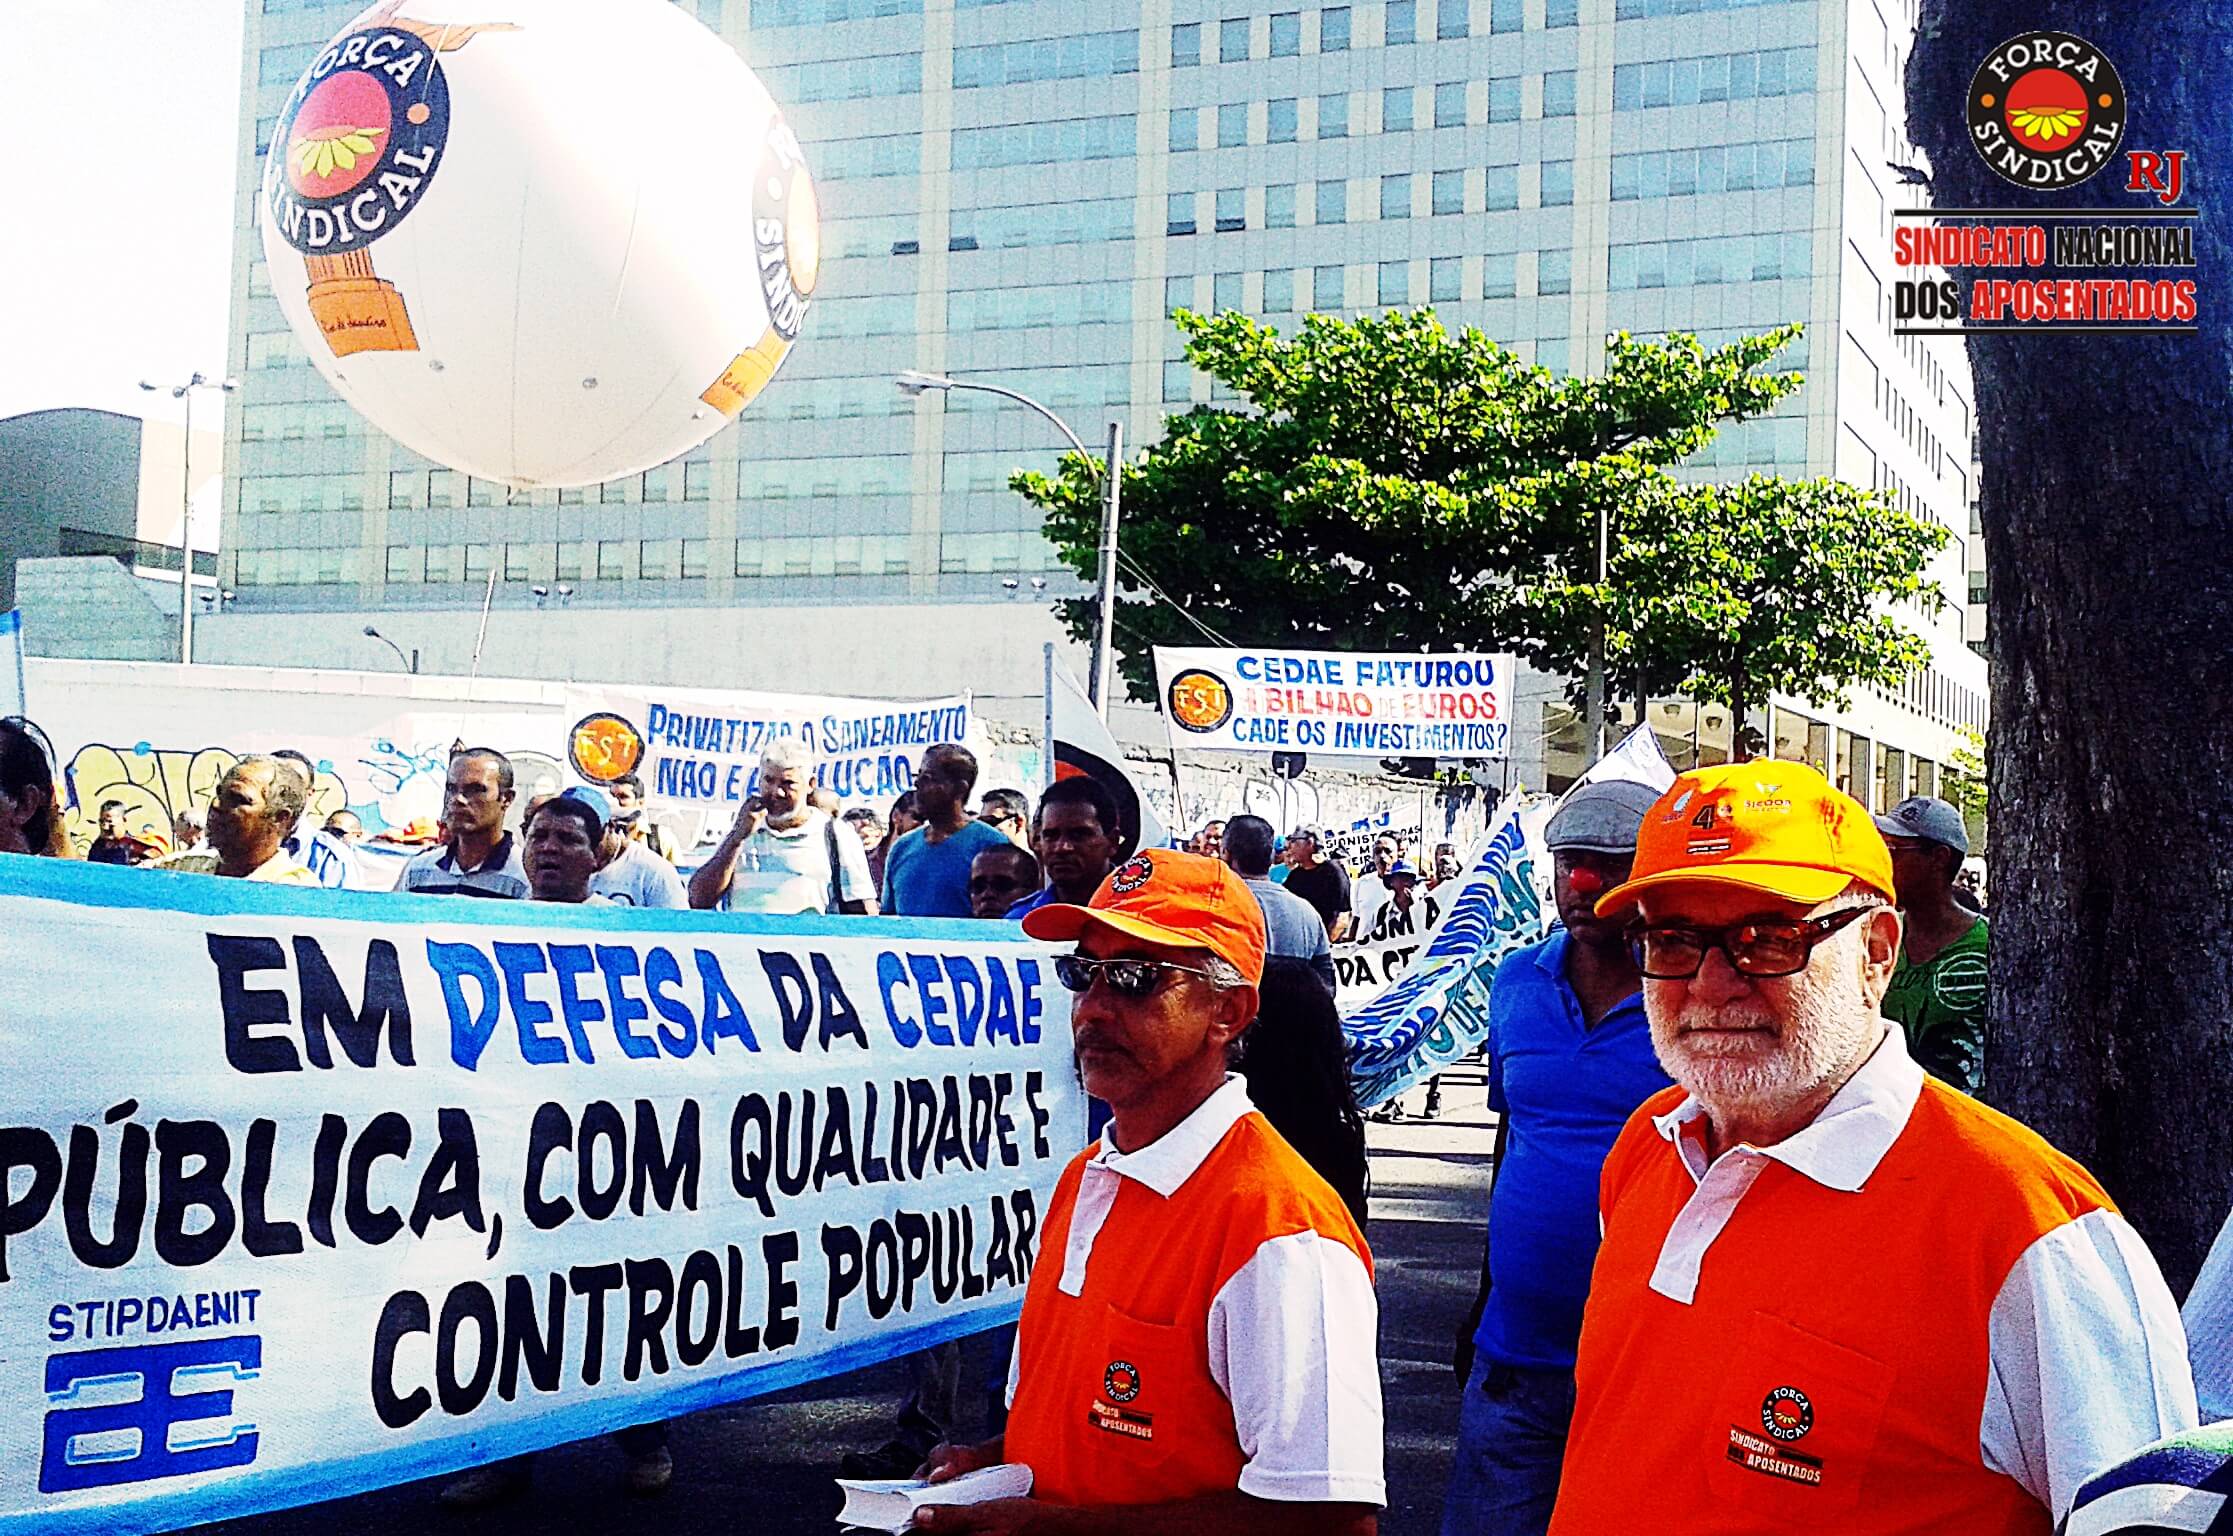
360	139
2046	110
1200	701
1787	1414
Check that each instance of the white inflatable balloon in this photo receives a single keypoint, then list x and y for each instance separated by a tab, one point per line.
548	242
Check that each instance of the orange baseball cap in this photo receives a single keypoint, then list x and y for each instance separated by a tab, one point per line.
1771	825
1167	897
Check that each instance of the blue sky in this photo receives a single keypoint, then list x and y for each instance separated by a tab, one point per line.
121	121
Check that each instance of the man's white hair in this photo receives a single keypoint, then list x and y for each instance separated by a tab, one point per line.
788	752
1223	973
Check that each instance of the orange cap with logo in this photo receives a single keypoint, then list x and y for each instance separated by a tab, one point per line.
1166	897
1770	825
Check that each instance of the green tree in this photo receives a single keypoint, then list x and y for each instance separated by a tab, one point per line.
1391	486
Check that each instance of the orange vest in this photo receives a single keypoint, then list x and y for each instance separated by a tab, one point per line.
1115	1403
1830	1374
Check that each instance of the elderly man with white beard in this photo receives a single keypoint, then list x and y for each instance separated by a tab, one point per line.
1834	1294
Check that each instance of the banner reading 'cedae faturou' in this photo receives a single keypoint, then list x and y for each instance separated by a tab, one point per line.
307	1192
1336	701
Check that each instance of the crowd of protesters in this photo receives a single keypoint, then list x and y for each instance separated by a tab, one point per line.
1757	1259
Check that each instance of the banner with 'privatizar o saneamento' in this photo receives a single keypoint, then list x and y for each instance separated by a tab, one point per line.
306	1192
1336	702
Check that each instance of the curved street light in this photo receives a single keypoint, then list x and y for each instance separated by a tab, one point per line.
913	384
410	664
185	392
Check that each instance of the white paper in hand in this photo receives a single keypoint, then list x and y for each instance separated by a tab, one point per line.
890	1504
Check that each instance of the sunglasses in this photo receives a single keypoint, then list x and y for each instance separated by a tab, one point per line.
1132	979
1674	952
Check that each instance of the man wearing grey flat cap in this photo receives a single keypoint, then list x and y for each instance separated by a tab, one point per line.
1938	990
1570	1059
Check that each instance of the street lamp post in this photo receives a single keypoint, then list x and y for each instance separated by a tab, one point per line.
185	392
410	662
913	384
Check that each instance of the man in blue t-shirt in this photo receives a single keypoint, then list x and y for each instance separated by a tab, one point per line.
927	872
1570	1059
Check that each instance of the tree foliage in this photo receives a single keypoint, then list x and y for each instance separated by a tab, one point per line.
1382	484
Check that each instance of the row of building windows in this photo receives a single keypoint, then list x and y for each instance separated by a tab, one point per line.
886	74
1716	77
807	13
1017	309
1076	138
310	418
1453	107
1448	192
1401	22
889	154
1092	221
1077	57
1640	10
691	480
1719	259
1715	168
1391	285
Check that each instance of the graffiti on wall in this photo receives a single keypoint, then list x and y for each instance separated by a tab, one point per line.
155	784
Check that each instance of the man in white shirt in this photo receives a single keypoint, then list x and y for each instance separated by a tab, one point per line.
1370	889
782	855
629	873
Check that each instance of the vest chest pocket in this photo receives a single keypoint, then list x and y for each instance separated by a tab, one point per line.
1794	1423
1146	1388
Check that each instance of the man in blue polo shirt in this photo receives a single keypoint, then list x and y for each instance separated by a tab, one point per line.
1570	1058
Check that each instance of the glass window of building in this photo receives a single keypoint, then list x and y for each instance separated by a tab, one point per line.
1402	23
406	562
1395	109
696	555
441	487
479	558
1178	214
1562	13
1333	116
1558	183
697	481
613	491
1178	293
1499	276
1280	119
1333	202
1325	288
1279	291
569	563
445	562
406	487
1178	380
659	483
1279	206
1449	191
1446	279
1554	272
1186	128
1232	124
516	562
1186	46
1504	100
612	559
1558	93
1449	104
1232	40
1395	282
1501	187
1232	209
1333	29
657	561
1453	18
1506	16
1395	196
479	493
1287	34
1225	290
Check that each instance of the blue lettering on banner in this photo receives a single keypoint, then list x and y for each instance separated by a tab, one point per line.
111	1411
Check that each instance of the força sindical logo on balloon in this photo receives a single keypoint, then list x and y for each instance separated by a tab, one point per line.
360	140
2046	110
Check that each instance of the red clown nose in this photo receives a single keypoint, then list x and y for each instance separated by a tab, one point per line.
1585	882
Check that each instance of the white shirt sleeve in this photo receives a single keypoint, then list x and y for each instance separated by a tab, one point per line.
1294	1346
2088	1360
662	883
854	882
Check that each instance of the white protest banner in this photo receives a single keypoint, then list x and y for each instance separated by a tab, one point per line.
322	1191
1361	971
1328	701
701	747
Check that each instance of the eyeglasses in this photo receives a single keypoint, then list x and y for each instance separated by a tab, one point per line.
1670	952
1133	979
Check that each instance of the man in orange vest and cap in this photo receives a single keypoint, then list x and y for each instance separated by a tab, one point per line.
1834	1293
1197	1350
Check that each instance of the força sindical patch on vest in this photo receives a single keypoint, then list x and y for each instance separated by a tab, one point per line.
1756	1454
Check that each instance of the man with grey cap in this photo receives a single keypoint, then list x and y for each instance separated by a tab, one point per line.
1570	1059
1938	990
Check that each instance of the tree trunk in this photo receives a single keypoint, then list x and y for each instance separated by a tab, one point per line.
2107	461
1737	702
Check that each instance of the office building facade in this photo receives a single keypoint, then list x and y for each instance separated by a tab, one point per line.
1021	190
